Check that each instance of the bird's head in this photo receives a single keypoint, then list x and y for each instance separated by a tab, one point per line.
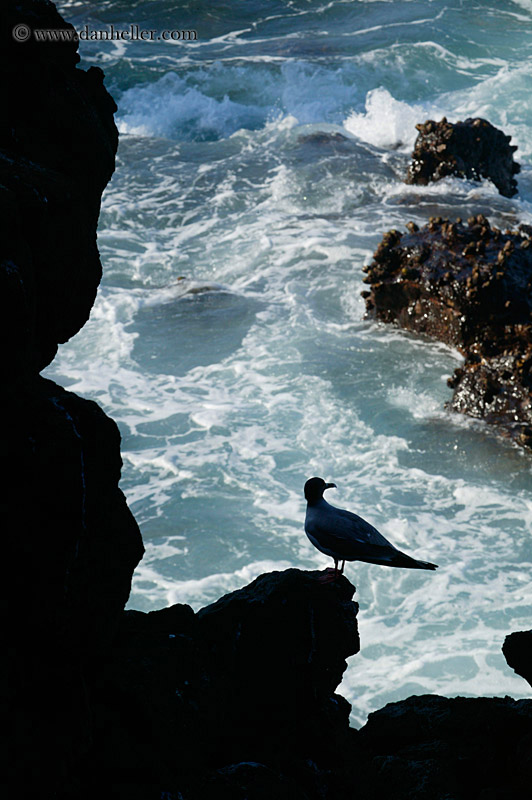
314	489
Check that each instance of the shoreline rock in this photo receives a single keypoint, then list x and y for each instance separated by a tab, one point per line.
238	700
469	286
57	153
250	680
473	149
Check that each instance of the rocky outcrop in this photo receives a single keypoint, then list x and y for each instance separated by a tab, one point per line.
73	543
238	701
472	149
56	156
517	649
471	287
435	748
241	692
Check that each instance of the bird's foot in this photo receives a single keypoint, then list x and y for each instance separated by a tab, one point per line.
329	575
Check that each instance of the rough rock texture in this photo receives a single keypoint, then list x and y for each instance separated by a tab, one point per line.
242	691
472	149
469	286
74	545
72	541
517	649
56	156
436	748
237	702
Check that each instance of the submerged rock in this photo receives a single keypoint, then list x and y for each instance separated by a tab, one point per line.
323	138
472	149
469	286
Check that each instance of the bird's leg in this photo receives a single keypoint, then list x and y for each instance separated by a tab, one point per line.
330	573
342	567
328	577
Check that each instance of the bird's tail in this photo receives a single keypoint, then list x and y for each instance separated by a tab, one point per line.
402	560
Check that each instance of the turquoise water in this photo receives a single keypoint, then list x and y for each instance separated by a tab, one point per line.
228	339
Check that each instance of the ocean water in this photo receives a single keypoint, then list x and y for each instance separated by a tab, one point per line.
259	165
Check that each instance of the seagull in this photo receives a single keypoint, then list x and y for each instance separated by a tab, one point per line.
346	537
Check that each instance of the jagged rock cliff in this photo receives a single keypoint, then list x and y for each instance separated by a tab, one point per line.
241	691
73	541
437	748
238	702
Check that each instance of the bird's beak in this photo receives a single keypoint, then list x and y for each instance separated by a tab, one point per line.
330	486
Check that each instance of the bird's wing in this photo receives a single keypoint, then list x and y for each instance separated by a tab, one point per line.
344	535
348	535
351	527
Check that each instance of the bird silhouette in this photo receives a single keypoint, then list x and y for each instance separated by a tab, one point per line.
344	536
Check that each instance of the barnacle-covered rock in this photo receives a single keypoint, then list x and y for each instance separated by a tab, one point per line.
469	285
472	149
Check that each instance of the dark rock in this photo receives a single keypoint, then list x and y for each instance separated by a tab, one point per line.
76	544
247	781
237	701
71	538
290	635
438	748
517	649
323	138
79	543
57	152
238	694
471	287
473	149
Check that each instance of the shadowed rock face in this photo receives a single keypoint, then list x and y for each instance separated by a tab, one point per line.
72	540
473	149
517	649
237	701
73	544
435	748
471	287
240	693
56	156
297	634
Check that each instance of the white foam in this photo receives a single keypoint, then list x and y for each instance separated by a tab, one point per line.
525	4
218	440
386	122
170	108
197	593
503	99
